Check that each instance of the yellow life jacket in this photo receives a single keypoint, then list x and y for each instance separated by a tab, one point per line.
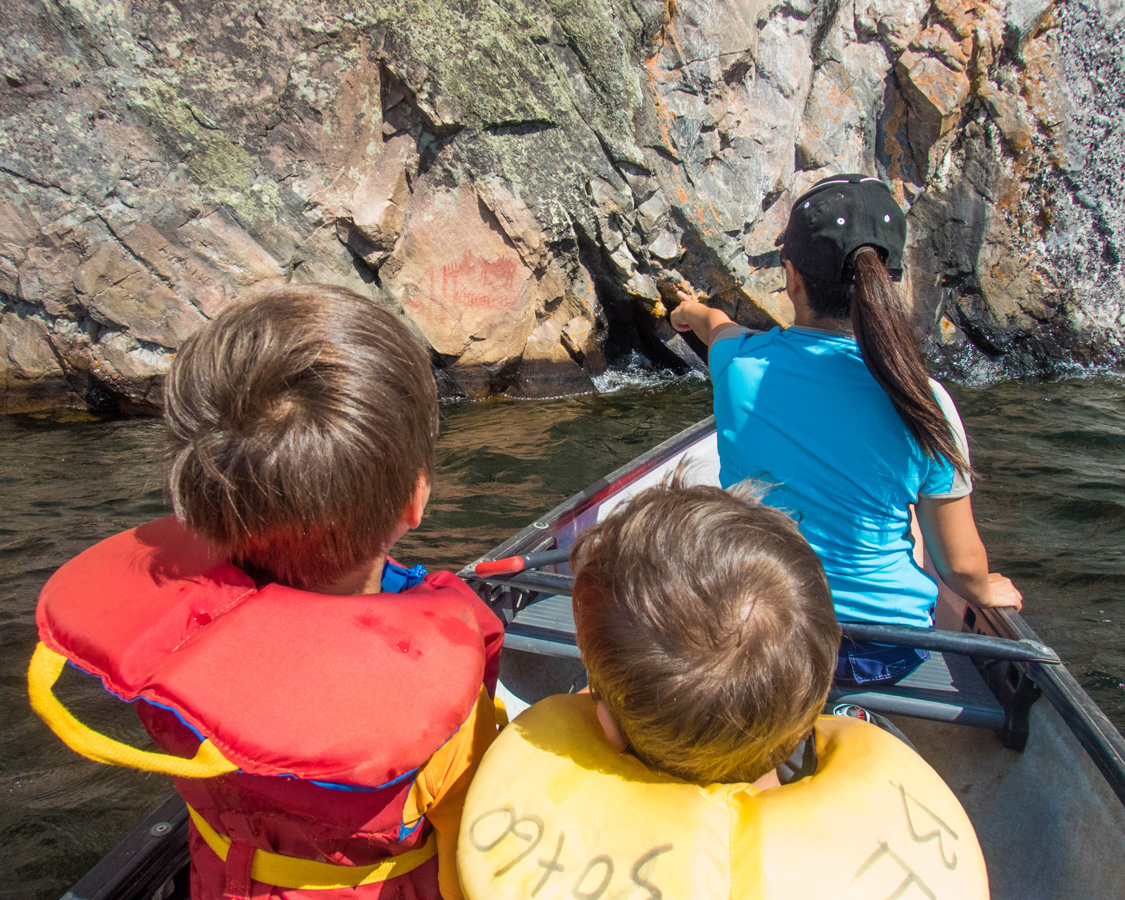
555	812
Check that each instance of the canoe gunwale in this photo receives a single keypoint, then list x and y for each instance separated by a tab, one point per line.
540	534
145	861
1091	727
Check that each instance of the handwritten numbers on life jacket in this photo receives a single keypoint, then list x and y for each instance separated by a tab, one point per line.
923	826
512	828
602	863
589	878
910	878
918	814
550	866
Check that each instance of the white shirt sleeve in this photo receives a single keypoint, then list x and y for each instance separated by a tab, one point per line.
962	485
730	330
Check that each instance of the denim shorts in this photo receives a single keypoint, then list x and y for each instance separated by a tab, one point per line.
862	662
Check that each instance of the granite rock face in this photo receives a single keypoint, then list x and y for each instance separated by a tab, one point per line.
516	179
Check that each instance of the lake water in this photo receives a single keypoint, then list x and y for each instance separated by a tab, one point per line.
1050	502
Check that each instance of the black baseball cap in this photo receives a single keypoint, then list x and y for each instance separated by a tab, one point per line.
836	216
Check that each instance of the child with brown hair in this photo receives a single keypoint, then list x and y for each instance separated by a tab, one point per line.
697	765
320	707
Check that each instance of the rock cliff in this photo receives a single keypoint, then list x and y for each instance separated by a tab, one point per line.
516	178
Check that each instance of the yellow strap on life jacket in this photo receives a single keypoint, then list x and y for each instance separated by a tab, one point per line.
294	873
45	669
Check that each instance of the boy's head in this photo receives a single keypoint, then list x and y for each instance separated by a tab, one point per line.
301	423
706	624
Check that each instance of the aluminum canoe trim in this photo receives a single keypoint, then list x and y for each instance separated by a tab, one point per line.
540	535
1092	728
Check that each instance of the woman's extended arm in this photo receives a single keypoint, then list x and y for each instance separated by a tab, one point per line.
691	315
950	534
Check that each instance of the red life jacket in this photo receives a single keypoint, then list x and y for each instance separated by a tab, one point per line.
292	687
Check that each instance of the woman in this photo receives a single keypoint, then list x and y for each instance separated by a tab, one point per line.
839	417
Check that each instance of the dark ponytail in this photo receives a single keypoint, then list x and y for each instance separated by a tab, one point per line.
888	340
889	343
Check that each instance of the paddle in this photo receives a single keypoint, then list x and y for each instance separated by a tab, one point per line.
512	564
668	336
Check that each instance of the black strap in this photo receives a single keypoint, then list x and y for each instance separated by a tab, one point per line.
801	763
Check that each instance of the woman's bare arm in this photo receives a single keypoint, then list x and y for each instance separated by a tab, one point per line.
950	534
691	315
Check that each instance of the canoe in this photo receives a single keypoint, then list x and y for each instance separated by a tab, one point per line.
1038	767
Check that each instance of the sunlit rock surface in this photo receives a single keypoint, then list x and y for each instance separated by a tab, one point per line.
518	179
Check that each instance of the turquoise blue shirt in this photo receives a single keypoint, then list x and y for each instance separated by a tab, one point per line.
799	410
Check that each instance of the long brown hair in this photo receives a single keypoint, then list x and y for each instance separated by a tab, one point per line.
889	343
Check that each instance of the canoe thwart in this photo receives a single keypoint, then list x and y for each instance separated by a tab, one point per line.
1022	650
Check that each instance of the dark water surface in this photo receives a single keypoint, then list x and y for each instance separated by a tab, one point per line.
1050	503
